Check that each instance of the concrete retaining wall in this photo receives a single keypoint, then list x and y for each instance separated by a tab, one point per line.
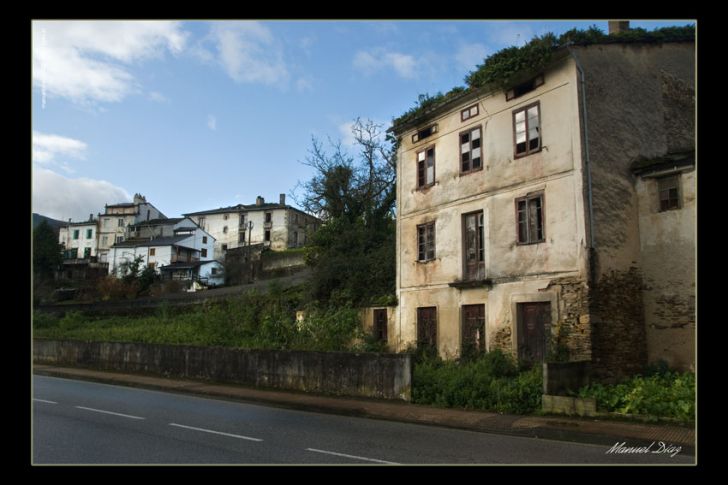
376	375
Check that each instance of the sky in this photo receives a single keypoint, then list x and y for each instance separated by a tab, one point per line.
197	115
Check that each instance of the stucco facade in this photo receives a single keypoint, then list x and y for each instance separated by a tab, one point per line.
79	239
116	218
566	240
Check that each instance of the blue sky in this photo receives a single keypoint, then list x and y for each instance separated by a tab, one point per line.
199	115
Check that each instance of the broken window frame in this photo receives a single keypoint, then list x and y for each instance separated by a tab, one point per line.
527	130
426	242
669	193
424	133
534	224
525	87
467	113
479	245
469	133
423	167
472	334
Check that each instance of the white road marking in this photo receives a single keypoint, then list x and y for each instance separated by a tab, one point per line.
43	400
109	412
215	432
351	456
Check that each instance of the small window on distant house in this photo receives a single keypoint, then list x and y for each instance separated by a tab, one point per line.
424	133
527	130
203	252
89	233
224	247
204	239
153	252
106	222
76	233
268	216
426	242
86	253
105	240
224	230
468	113
213	271
241	237
267	235
524	88
119	239
426	168
151	265
529	213
471	158
669	192
295	238
225	217
121	223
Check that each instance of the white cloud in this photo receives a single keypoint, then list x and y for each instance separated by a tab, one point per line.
471	55
158	97
211	122
62	198
347	137
47	147
378	59
87	61
248	53
304	84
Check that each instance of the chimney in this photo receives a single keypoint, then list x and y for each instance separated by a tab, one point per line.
259	201
139	199
283	199
618	26
90	217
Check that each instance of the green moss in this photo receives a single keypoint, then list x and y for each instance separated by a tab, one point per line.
504	68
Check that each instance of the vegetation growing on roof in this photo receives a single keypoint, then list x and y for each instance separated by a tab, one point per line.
502	69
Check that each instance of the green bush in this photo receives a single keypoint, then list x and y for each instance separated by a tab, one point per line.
491	382
660	395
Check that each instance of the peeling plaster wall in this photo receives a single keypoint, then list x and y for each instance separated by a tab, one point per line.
639	105
520	273
668	260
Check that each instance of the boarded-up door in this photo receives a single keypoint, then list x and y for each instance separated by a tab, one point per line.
534	323
427	327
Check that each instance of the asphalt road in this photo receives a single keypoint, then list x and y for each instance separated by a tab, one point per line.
82	422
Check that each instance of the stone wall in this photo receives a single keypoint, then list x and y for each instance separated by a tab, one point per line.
572	332
374	375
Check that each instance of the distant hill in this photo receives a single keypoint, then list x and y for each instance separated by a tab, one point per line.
54	223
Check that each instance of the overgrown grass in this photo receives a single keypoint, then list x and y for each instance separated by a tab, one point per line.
661	395
491	382
253	320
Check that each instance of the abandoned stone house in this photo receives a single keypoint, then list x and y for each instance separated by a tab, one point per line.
555	217
274	225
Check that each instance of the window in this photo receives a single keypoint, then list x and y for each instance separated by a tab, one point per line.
424	133
76	232
86	253
106	222
268	217
426	242
104	241
473	246
468	113
524	88
119	239
267	235
380	325
242	221
89	233
224	217
213	271
427	327
74	253
473	329
529	213
527	130
201	222
203	252
470	152
534	326
669	192
241	236
120	222
152	251
152	265
295	238
224	230
224	247
426	168
204	239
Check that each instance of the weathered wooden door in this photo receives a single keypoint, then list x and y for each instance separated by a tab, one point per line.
427	327
380	325
473	334
534	323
